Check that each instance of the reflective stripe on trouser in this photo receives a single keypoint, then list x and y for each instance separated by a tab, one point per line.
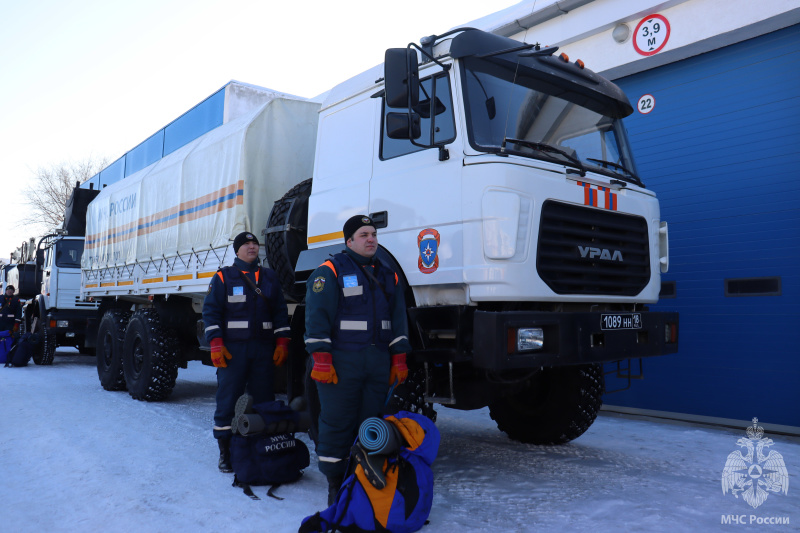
250	368
359	394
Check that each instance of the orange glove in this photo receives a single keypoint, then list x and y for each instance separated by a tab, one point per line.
399	371
323	370
219	353
281	351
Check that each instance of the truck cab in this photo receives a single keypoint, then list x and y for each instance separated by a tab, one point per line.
505	193
58	313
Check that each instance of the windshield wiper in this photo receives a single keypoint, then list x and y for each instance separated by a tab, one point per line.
546	148
606	164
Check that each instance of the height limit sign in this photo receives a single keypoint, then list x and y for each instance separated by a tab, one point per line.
651	35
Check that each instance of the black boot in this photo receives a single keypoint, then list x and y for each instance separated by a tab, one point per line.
225	455
334	483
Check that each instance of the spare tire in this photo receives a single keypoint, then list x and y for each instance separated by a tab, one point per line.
286	237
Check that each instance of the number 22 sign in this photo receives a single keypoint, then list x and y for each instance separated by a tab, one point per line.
651	35
646	104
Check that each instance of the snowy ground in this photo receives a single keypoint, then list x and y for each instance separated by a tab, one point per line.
77	458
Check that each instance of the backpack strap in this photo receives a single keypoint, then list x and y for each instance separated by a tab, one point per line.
245	487
248	490
254	286
270	492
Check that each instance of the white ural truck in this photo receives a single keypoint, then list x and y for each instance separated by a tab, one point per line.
505	195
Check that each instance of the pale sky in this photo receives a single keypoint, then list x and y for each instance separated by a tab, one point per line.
94	78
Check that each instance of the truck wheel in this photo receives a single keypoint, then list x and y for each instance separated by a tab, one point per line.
46	351
410	396
284	247
110	336
149	357
556	406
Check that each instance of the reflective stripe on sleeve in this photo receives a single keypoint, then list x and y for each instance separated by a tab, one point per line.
308	341
328	459
279	330
398	339
354	325
211	328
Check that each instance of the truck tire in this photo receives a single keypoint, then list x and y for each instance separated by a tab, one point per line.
410	396
46	351
556	406
110	339
149	357
284	246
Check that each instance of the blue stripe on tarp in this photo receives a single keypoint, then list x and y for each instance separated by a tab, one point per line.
167	218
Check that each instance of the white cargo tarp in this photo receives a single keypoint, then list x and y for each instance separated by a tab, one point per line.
202	195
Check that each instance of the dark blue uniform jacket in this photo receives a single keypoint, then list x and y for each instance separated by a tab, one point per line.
233	311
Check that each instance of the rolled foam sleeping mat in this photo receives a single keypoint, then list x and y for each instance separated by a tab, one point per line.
377	436
251	423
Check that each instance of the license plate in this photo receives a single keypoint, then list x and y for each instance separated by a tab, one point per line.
621	321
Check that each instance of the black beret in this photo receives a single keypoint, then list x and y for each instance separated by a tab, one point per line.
353	224
242	238
10	287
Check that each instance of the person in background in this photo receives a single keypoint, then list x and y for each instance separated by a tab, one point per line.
10	311
357	333
247	326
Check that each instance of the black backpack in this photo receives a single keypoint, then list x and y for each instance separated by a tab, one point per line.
268	453
21	353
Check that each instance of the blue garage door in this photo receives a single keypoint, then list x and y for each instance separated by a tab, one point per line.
721	148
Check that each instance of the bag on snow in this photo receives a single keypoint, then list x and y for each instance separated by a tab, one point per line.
269	457
23	350
404	505
6	342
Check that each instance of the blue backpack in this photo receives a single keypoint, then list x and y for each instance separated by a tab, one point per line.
404	504
6	342
272	455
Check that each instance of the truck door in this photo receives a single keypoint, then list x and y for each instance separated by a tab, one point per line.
48	284
415	199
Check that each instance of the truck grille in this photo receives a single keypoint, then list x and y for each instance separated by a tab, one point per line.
585	250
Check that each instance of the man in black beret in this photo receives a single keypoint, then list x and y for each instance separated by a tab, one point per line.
10	311
357	333
248	333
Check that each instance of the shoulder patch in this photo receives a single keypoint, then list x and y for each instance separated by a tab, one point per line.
319	284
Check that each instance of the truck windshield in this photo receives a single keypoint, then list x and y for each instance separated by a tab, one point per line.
68	253
513	110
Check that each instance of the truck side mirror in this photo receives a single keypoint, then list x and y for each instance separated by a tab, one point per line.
397	125
401	77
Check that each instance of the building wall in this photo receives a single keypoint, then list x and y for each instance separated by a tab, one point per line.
720	148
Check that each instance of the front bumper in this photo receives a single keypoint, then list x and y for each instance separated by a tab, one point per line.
569	339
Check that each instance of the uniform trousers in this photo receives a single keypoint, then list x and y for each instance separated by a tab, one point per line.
250	369
359	394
